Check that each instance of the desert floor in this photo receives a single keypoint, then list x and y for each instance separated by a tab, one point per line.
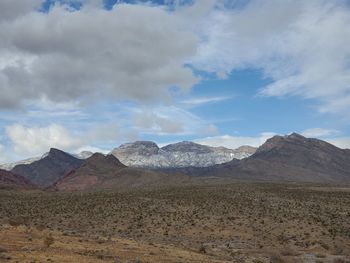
239	222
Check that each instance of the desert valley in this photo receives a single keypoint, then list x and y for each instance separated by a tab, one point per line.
287	201
174	131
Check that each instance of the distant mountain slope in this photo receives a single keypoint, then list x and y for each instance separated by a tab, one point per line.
103	172
287	158
298	158
183	154
49	169
10	180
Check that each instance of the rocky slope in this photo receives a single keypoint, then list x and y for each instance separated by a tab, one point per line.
48	169
104	172
298	158
183	154
10	180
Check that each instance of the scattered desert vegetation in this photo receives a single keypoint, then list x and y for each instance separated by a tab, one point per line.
241	222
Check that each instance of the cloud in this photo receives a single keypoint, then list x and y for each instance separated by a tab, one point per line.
170	120
130	52
341	142
329	135
93	149
204	100
319	132
133	51
103	132
37	140
234	142
211	129
152	122
10	9
303	47
3	156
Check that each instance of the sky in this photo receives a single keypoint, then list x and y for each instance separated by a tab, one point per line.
92	74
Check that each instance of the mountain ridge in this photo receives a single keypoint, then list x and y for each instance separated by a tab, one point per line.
146	154
292	158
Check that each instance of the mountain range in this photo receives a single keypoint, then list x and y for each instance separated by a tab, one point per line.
292	158
147	154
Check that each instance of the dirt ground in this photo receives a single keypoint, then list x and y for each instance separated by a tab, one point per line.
240	222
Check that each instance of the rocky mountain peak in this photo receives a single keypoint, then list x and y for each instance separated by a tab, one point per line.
296	136
146	144
48	169
187	146
277	142
95	157
102	160
58	154
141	147
274	142
296	140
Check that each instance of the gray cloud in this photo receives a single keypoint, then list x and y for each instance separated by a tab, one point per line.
10	9
131	52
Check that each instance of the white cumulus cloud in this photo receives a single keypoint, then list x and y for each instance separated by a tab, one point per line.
37	140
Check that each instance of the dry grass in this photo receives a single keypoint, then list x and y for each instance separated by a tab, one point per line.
230	223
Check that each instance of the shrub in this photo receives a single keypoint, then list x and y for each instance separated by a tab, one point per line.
276	258
49	240
202	249
17	221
